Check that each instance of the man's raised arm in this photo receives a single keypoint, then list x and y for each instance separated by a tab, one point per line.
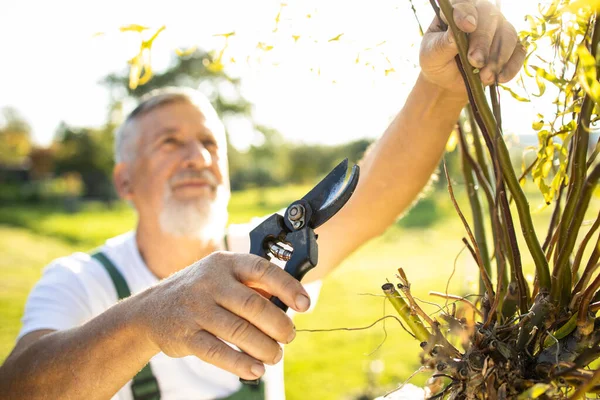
399	165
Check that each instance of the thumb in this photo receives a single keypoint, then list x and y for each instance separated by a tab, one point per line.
437	49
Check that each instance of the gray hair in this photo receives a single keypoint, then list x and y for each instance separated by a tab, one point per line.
126	137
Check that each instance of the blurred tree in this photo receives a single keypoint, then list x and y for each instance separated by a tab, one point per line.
88	152
15	137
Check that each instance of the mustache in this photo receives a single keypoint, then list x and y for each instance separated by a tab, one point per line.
189	174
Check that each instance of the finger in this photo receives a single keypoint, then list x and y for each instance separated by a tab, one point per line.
212	350
260	273
437	50
514	64
481	39
260	312
500	52
465	15
235	330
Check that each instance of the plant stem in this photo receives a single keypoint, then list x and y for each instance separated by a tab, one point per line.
484	275
574	224
475	207
582	389
568	231
582	247
413	321
484	116
481	158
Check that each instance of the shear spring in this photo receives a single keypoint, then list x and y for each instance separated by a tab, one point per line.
279	251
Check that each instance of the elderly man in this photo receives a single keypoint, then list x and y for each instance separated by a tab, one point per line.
79	341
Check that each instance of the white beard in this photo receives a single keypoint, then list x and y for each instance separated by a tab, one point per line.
203	219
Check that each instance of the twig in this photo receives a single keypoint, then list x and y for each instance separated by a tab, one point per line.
362	328
486	278
459	298
452	274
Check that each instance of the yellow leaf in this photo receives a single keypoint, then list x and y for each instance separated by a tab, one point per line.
333	39
452	142
537	125
579	4
586	73
515	95
185	53
535	391
133	28
226	35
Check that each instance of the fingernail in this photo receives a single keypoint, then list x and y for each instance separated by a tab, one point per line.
479	58
278	357
302	302
292	335
258	370
471	19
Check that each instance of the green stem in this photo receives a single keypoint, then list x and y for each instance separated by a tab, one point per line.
486	118
586	274
481	159
568	231
478	227
402	307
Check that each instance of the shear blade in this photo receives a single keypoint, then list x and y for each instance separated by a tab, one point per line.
326	199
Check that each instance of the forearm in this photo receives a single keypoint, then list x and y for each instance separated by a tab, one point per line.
393	172
403	160
92	361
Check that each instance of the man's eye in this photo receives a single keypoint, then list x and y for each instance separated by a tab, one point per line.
209	143
170	140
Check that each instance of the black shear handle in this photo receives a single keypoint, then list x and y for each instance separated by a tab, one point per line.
303	242
304	256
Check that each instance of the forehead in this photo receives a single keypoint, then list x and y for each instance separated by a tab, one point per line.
178	116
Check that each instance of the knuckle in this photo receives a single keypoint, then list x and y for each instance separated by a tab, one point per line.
214	351
240	330
260	268
254	304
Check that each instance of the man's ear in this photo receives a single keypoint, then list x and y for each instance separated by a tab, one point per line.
122	179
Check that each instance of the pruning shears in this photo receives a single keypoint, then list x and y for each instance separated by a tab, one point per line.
292	237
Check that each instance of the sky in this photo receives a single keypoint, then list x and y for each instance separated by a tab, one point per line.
311	90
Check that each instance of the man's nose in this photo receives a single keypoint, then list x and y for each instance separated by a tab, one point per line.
198	156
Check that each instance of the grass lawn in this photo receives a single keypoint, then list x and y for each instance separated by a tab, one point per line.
328	365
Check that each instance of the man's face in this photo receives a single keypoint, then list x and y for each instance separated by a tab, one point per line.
179	173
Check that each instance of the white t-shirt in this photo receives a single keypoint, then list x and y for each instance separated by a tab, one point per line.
76	288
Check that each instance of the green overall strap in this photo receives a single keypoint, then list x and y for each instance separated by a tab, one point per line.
144	385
